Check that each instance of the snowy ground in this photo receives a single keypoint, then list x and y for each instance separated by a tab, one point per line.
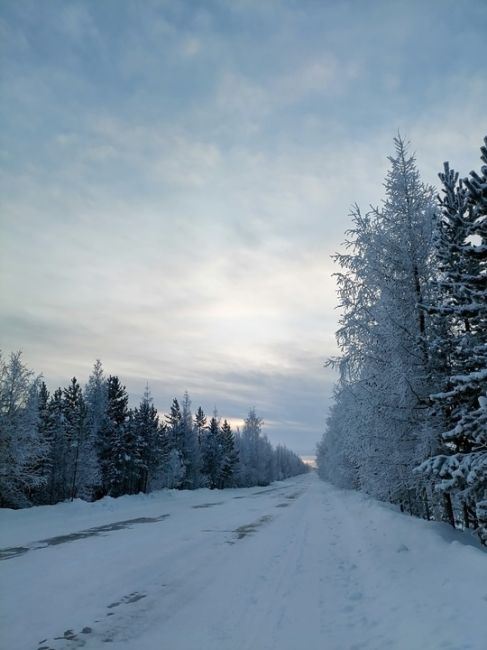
296	565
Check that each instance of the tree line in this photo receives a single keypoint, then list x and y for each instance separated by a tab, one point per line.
408	423
85	442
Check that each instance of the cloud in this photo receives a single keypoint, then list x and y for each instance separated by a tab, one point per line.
76	22
176	178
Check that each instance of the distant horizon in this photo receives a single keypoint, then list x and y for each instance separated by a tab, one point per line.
235	420
309	459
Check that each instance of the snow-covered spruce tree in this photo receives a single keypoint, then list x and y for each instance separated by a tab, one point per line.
40	495
200	422
383	336
460	467
81	455
255	453
113	448
174	471
145	427
190	449
76	430
57	484
248	450
162	450
134	454
184	465
212	453
96	400
229	460
22	449
266	461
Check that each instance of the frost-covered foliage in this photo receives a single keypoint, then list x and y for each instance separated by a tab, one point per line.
413	340
259	463
23	449
87	443
460	467
255	453
384	368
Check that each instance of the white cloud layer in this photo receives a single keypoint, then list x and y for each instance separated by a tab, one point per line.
175	179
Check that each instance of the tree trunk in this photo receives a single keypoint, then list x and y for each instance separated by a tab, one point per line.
426	505
449	509
75	472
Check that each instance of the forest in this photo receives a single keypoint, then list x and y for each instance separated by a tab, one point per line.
87	443
408	424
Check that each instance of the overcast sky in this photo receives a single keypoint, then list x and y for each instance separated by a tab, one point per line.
176	175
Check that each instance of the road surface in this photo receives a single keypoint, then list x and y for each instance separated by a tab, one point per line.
295	565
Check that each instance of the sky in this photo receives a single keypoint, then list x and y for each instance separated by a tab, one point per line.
175	176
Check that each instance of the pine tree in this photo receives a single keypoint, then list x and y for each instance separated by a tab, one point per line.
129	457
176	469
160	471
190	449
200	422
173	423
96	400
229	459
113	445
57	484
460	467
75	418
212	453
40	495
146	430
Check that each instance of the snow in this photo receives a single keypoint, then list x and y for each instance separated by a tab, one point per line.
298	564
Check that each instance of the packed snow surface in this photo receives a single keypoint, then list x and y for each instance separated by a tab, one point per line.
298	564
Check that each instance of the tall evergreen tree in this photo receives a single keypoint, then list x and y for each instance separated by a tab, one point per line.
212	453
175	469
96	400
385	363
200	422
113	445
57	485
460	467
190	449
146	430
173	422
252	451
41	494
75	418
229	461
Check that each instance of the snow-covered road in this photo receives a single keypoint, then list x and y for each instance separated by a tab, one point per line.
296	565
